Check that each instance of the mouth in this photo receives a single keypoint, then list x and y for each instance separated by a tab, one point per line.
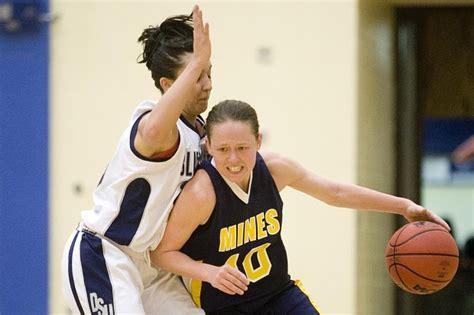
205	98
235	169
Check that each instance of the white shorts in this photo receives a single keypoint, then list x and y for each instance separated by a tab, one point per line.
99	277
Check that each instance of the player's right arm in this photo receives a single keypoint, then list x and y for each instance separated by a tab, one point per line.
193	208
287	172
157	130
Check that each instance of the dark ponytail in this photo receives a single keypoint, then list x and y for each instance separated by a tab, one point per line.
165	45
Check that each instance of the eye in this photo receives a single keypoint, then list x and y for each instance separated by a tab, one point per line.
205	74
241	148
222	149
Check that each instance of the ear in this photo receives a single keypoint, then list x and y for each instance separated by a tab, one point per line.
259	140
165	83
208	144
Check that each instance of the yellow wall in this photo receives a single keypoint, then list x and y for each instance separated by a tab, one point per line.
375	147
306	93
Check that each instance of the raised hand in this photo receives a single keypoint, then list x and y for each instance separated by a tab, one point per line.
228	279
202	42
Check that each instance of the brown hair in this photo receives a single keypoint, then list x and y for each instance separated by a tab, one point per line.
235	111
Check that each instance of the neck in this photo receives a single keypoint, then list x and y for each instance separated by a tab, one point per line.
244	185
190	118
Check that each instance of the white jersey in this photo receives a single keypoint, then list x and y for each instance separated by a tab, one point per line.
135	195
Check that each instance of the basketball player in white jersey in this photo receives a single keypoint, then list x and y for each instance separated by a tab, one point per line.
105	267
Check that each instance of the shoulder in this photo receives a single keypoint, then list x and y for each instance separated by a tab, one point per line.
200	184
198	196
275	162
142	108
270	157
283	170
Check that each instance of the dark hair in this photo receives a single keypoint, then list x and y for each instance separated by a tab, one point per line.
164	46
232	110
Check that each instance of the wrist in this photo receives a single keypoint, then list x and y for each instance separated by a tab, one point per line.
405	206
207	272
195	64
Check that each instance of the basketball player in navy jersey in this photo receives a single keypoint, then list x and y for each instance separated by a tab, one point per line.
224	233
106	268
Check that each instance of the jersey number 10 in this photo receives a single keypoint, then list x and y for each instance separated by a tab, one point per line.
252	273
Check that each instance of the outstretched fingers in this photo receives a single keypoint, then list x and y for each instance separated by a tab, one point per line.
197	18
436	219
230	288
231	281
202	43
199	25
238	279
206	29
418	213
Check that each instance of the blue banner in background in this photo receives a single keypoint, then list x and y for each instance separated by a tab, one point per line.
441	137
24	85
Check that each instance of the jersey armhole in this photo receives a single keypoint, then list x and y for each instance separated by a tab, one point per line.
159	157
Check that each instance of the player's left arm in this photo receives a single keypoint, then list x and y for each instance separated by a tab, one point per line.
287	172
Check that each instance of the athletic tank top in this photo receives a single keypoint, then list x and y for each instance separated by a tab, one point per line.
135	194
243	235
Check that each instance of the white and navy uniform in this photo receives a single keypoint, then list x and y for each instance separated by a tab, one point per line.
105	267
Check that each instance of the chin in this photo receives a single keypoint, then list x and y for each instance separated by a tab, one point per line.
202	107
237	178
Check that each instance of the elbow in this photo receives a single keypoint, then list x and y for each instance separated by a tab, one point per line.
151	133
156	259
335	198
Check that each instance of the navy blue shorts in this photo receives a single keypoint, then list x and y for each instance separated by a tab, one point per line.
291	301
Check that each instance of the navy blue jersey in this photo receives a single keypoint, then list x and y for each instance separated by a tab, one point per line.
243	235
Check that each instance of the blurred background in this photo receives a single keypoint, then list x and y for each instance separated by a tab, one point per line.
377	93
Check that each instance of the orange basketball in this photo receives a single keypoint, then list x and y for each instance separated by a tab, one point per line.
422	257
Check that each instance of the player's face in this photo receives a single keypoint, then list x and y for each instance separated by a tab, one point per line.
201	92
234	146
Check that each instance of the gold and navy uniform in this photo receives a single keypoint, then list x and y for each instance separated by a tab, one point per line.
243	235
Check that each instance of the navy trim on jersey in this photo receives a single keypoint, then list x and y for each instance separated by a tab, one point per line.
102	177
193	128
133	134
71	277
201	120
123	228
96	277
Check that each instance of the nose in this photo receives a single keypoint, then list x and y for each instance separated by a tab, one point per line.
233	157
206	84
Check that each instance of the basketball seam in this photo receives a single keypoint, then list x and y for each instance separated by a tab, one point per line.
409	269
413	236
394	262
422	254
